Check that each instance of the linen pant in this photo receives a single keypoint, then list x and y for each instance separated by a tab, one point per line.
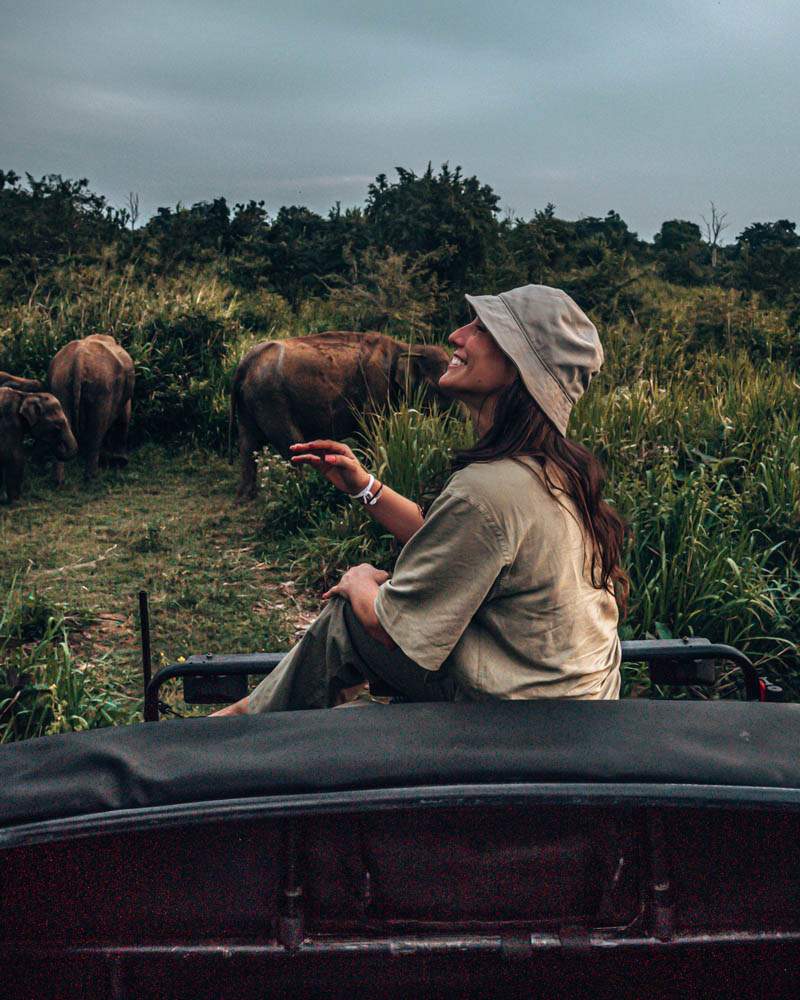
335	653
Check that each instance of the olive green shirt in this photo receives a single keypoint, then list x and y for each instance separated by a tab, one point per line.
496	586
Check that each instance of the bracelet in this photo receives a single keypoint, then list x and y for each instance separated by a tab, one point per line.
375	496
366	492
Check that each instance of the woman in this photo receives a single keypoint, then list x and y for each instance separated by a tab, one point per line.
510	586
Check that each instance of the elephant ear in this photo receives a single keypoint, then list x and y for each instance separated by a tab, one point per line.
408	367
31	409
420	363
401	368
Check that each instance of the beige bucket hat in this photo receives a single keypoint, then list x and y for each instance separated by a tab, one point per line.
549	338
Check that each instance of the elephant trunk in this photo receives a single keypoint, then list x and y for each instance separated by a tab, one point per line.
67	446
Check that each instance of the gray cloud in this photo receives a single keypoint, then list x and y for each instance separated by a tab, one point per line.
651	108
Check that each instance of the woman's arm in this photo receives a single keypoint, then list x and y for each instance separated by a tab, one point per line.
334	460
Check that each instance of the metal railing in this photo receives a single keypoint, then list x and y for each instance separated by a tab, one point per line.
222	678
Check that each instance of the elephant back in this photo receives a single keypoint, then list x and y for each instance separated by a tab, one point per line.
92	367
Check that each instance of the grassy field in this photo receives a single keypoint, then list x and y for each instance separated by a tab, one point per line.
168	524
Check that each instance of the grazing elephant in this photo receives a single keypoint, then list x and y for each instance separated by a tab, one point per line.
311	387
38	414
20	384
93	379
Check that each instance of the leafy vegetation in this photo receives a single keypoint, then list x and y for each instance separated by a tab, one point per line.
43	689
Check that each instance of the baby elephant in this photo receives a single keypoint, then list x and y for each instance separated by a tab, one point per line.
38	414
93	380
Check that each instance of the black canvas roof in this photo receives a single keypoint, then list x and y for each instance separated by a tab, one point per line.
722	744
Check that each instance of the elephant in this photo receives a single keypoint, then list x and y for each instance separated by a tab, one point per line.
20	384
36	413
93	379
303	388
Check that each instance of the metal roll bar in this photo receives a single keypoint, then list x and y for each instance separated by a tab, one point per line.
222	678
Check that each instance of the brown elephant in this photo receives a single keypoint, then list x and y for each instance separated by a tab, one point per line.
20	384
36	413
93	379
310	387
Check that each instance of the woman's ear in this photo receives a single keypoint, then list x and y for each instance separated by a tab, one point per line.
31	409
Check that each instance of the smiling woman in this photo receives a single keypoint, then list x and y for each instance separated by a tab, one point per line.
510	586
477	371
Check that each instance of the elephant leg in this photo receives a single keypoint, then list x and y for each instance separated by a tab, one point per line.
90	447
12	471
117	437
251	439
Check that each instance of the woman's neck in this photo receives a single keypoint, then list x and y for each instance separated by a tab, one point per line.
481	412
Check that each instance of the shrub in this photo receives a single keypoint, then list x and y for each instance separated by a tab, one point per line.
43	690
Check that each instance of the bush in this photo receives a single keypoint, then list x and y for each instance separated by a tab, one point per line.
42	688
703	459
696	564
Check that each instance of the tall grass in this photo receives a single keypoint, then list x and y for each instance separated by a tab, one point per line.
409	448
43	689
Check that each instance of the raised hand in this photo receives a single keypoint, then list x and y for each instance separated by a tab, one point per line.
334	460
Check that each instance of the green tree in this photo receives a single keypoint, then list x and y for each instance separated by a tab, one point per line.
186	235
768	259
539	246
680	252
47	222
447	217
677	234
302	248
612	231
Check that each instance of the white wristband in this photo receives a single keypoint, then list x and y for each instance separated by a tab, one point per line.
362	493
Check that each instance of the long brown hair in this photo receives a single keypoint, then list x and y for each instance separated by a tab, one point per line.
520	428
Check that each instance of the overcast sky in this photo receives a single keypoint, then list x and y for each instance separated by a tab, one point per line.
649	108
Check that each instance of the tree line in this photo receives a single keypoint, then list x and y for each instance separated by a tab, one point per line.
443	230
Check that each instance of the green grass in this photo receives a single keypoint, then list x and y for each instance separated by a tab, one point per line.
168	524
43	688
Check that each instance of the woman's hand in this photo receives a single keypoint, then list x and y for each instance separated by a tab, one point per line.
335	461
353	581
359	586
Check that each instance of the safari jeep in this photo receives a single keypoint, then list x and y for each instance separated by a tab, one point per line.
637	848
